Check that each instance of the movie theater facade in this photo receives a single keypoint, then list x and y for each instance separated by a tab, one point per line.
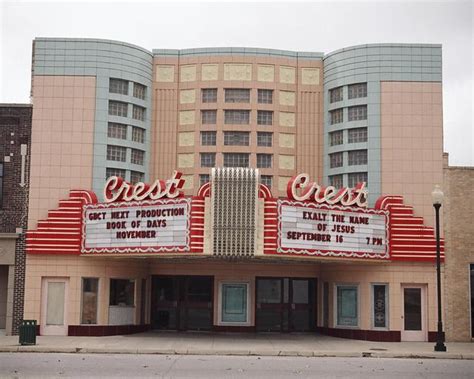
232	258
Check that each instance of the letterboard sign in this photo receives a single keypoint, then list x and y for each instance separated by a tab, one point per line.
332	231
137	227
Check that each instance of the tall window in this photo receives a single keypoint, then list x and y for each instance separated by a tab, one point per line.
136	176
357	113
111	171
335	160
237	95
238	117
357	157
264	117
209	95
208	117
138	156
357	135
236	138
335	94
118	86
117	108
336	181
267	180
380	305
139	91
115	130
264	160
138	113
357	90
336	116
236	160
208	159
1	185
208	138
265	96
356	177
347	299
122	292
204	178
90	290
116	153
138	134
336	138
264	139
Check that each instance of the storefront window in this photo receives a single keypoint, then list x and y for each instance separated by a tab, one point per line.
90	290
472	300
379	305
347	305
122	292
234	302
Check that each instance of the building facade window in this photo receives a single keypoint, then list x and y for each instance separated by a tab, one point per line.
111	171
116	153
357	113
138	157
264	117
237	117
357	135
356	177
118	108
236	160
335	160
380	306
139	91
138	113
265	96
336	181
116	130
208	138
138	134
1	185
136	176
236	138
89	300
208	117
209	95
264	160
355	91
119	86
266	180
347	305
357	157
234	303
336	138
335	94
264	139
204	178
122	292
336	116
208	159
237	95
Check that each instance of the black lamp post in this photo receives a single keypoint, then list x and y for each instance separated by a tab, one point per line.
437	196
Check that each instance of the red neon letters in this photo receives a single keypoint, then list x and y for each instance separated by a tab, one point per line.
117	189
329	195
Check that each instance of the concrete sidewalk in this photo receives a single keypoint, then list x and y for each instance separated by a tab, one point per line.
199	343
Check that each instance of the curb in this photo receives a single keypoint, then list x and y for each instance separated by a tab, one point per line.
263	353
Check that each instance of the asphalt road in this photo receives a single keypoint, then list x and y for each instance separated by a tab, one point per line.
29	365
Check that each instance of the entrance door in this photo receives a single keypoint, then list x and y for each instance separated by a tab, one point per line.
285	304
182	303
414	325
54	306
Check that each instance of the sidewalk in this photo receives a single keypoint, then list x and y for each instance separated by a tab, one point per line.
307	345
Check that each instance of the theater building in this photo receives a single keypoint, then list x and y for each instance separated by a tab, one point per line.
234	236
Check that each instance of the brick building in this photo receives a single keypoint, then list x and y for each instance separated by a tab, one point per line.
15	136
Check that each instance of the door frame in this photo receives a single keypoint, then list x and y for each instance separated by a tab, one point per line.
53	330
412	335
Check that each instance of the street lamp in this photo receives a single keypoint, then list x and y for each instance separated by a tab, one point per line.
437	196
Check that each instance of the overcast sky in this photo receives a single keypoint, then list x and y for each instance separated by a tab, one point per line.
300	26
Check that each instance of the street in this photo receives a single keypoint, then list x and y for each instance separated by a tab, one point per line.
28	365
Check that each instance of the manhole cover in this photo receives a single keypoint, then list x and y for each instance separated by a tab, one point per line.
378	349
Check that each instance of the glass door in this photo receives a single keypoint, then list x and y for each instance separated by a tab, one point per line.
302	305
414	313
269	304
